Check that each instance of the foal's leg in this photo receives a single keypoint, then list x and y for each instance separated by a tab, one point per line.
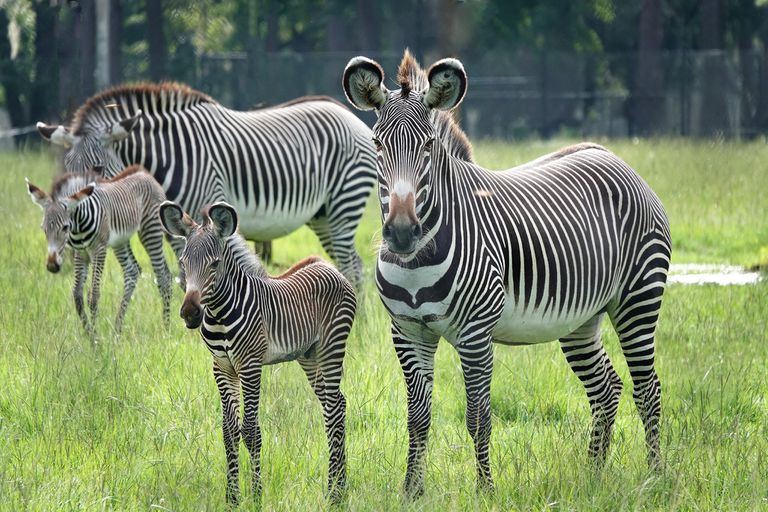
229	389
97	259
131	273
250	376
81	272
152	239
324	375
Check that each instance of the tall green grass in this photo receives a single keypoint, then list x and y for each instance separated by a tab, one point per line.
133	423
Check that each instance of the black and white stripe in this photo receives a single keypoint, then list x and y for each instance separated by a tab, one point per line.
532	254
90	214
305	162
248	320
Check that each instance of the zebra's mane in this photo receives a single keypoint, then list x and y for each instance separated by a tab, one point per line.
128	171
244	257
67	184
410	77
122	101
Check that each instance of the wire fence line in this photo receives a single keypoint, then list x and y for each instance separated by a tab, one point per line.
521	94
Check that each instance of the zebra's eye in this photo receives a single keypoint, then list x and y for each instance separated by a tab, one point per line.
214	264
428	145
65	227
377	143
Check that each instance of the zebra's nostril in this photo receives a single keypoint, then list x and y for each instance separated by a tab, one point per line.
386	231
416	230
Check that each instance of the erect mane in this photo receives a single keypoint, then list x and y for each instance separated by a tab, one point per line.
121	101
68	183
244	256
410	77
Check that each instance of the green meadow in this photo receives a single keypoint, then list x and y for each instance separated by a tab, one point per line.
133	423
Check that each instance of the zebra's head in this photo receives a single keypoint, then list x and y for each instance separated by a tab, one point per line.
406	139
91	147
202	253
57	220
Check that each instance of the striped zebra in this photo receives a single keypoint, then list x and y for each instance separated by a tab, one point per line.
89	214
308	161
537	253
249	319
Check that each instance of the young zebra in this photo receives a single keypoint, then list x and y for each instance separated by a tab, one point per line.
250	319
90	214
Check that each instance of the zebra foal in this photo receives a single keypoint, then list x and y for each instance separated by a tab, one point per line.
90	214
248	319
537	253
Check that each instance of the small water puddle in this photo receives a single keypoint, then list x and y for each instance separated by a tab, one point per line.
695	273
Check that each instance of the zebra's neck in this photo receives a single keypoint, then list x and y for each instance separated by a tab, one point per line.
239	269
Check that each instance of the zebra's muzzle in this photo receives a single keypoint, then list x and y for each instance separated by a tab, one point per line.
53	264
191	310
401	238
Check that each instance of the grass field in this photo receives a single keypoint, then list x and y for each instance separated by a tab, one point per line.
133	424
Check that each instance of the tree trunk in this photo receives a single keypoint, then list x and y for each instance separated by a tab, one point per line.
714	77
158	49
368	21
648	101
115	41
87	38
11	78
44	91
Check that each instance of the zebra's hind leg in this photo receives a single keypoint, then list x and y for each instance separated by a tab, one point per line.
131	273
228	384
337	236
177	245
81	272
587	358
417	359
250	377
152	240
635	319
476	355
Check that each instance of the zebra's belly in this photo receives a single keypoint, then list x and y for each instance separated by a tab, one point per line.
261	223
521	326
117	238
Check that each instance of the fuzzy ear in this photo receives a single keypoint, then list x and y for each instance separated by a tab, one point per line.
224	218
363	84
121	129
175	222
447	85
39	197
58	135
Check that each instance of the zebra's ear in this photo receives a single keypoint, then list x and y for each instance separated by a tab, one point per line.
78	197
224	218
58	135
175	222
363	83
39	197
447	85
121	129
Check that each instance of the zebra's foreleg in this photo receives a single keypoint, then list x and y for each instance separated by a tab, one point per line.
97	258
152	240
81	272
228	384
476	355
586	356
131	273
250	376
417	359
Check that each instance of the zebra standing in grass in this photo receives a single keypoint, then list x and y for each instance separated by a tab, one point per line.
250	319
309	161
537	253
89	214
